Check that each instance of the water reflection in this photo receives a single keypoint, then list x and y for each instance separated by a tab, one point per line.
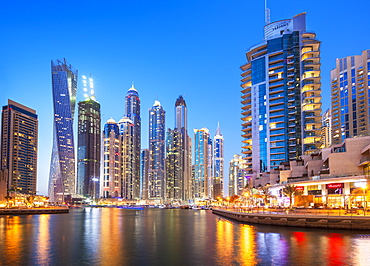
169	237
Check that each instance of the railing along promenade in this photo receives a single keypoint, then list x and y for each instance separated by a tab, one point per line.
317	218
36	210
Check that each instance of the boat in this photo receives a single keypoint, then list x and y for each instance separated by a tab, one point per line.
127	207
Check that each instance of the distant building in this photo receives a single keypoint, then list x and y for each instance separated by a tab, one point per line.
62	167
132	112
326	130
89	140
237	178
174	172
112	183
350	81
144	174
218	164
281	96
157	182
201	184
19	133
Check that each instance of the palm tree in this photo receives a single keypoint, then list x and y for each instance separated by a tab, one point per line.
291	191
266	193
7	198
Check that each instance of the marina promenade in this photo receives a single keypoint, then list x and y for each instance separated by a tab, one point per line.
302	218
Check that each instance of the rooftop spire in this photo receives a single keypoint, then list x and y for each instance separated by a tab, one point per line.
218	130
267	13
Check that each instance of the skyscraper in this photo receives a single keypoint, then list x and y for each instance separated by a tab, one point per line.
132	111
144	174
19	131
218	164
201	185
174	170
237	179
157	184
350	82
326	130
112	184
281	96
127	163
181	125
62	168
89	139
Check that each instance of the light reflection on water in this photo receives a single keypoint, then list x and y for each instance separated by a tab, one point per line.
108	236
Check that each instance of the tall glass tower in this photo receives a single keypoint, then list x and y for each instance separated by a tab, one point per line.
281	96
350	84
201	184
112	185
19	131
218	164
174	171
144	174
62	168
89	139
132	111
157	137
181	125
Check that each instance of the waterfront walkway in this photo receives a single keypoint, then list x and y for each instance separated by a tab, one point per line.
316	220
298	211
39	210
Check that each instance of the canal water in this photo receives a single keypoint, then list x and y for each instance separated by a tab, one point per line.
109	236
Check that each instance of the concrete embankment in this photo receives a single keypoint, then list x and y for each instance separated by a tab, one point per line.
314	221
34	211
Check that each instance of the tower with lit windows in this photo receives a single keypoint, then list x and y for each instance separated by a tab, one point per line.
132	132
62	167
181	125
218	164
89	139
350	84
157	184
281	96
112	183
19	131
201	181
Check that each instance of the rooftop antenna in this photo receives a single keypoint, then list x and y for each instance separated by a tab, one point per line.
267	13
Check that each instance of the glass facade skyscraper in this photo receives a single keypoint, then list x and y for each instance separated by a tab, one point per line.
218	164
88	153
132	112
144	174
281	96
350	85
19	132
62	168
112	185
181	125
174	171
157	137
237	179
201	184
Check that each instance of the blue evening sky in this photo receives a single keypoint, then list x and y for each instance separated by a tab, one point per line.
168	48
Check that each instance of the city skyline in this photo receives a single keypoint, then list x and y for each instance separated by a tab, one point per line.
209	66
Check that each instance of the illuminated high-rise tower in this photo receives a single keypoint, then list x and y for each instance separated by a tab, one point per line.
218	164
112	184
132	112
201	182
350	84
157	137
62	168
144	174
181	125
281	96
89	139
174	171
19	130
